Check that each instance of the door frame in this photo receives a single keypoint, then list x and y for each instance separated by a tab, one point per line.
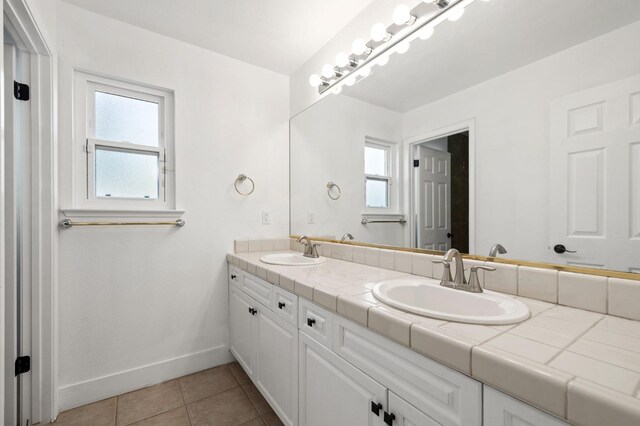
20	22
462	126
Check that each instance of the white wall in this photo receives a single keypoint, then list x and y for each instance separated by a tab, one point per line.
511	113
327	145
138	306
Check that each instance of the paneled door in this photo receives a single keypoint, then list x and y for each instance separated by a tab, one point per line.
241	328
595	177
434	199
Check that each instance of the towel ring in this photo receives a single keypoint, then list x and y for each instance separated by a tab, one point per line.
241	178
330	186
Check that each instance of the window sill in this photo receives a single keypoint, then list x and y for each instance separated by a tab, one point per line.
122	214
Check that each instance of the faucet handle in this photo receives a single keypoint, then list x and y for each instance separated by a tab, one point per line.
474	281
446	271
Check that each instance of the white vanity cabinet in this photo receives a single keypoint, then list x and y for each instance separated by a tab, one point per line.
503	410
316	368
266	345
332	392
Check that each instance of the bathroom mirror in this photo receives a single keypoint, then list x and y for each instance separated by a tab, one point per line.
518	124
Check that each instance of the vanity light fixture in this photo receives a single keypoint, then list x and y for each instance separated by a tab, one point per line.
408	25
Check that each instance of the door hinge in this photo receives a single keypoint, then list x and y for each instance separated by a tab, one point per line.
23	364
21	91
416	163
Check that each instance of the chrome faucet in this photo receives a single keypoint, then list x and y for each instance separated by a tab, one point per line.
310	249
460	282
347	235
497	248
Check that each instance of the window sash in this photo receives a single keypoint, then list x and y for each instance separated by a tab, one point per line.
378	178
131	148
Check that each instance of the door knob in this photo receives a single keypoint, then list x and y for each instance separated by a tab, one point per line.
449	235
559	248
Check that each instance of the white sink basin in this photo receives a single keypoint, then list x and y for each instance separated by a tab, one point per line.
428	298
291	259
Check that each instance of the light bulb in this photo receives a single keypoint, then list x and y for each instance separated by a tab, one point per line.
365	72
456	14
426	33
382	60
401	14
342	59
350	81
379	32
336	90
359	46
315	80
403	48
328	71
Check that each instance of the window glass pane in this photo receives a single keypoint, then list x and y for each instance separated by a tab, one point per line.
122	119
126	174
376	193
375	161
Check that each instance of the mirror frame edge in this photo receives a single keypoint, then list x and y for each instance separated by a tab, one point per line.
515	262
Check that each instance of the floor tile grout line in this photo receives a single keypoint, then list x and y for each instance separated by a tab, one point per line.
184	403
253	404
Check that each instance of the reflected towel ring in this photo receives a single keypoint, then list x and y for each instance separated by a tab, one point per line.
330	186
241	178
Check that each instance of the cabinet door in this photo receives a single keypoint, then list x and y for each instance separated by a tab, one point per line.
334	393
406	414
502	410
240	328
277	365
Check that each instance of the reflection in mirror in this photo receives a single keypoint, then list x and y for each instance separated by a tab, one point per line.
518	125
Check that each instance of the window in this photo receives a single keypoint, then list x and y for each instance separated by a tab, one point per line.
377	170
126	142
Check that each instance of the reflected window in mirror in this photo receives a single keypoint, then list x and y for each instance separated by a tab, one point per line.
378	174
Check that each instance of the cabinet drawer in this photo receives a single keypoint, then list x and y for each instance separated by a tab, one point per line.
502	410
235	276
257	288
285	304
449	397
315	321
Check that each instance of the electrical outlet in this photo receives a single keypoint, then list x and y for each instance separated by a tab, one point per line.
311	218
266	218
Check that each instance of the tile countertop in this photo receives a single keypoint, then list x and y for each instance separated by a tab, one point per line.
579	365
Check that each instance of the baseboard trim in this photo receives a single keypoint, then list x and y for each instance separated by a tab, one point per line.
82	393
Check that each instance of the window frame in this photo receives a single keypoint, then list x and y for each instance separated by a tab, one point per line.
391	176
86	86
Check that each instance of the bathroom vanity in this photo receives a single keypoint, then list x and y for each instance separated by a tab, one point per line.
318	367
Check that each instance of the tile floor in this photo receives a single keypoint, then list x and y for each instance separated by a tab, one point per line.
223	395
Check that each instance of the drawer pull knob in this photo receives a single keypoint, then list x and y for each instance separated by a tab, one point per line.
233	277
375	408
281	305
310	322
389	418
252	311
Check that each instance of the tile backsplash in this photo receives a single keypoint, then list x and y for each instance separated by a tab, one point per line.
612	296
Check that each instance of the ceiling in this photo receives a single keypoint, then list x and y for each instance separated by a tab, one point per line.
279	35
492	38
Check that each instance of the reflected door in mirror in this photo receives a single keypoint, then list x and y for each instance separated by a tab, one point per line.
434	195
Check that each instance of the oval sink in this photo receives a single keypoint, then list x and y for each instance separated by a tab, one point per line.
291	259
428	298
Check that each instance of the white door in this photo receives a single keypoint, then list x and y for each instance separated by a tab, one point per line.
334	393
17	233
405	414
241	327
595	177
434	199
277	365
